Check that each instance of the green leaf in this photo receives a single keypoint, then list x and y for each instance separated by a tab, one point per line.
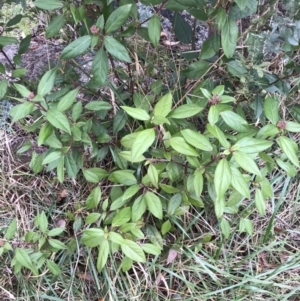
22	110
260	202
22	90
225	228
116	49
198	183
25	147
100	68
241	3
219	207
151	249
126	264
174	203
197	140
92	218
76	110
154	30
196	70
222	177
55	26
250	145
102	255
246	162
290	148
235	121
269	130
11	230
116	237
47	82
8	41
122	217
163	106
119	122
138	208
292	126
58	120
53	267
92	237
271	109
93	199
154	204
66	102
48	5
135	113
3	88
239	183
117	18
98	105
229	37
185	111
57	244
23	259
56	231
122	177
53	156
153	175
246	225
179	144
182	29
36	163
45	133
142	142
133	251
53	142
95	174
60	169
76	48
166	227
213	115
15	20
236	68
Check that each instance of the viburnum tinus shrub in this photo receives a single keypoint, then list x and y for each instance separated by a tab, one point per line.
171	148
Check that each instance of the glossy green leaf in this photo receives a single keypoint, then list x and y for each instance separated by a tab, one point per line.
229	37
55	26
53	156
173	204
76	110
92	237
22	90
116	49
22	110
139	207
166	227
271	109
47	82
219	207
198	183
119	122
100	68
154	204
133	251
182	29
250	145
56	231
154	30
142	143
11	230
57	244
122	177
102	255
213	115
76	48
8	41
197	140
95	174
58	120
239	183
98	105
151	249
246	162
94	198
92	218
216	132
163	106
60	169
116	237
48	5
292	126
235	121
225	228
45	132
117	18
290	148
179	144
23	258
135	113
222	177
260	202
185	111
153	175
122	217
269	130
53	267
67	100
